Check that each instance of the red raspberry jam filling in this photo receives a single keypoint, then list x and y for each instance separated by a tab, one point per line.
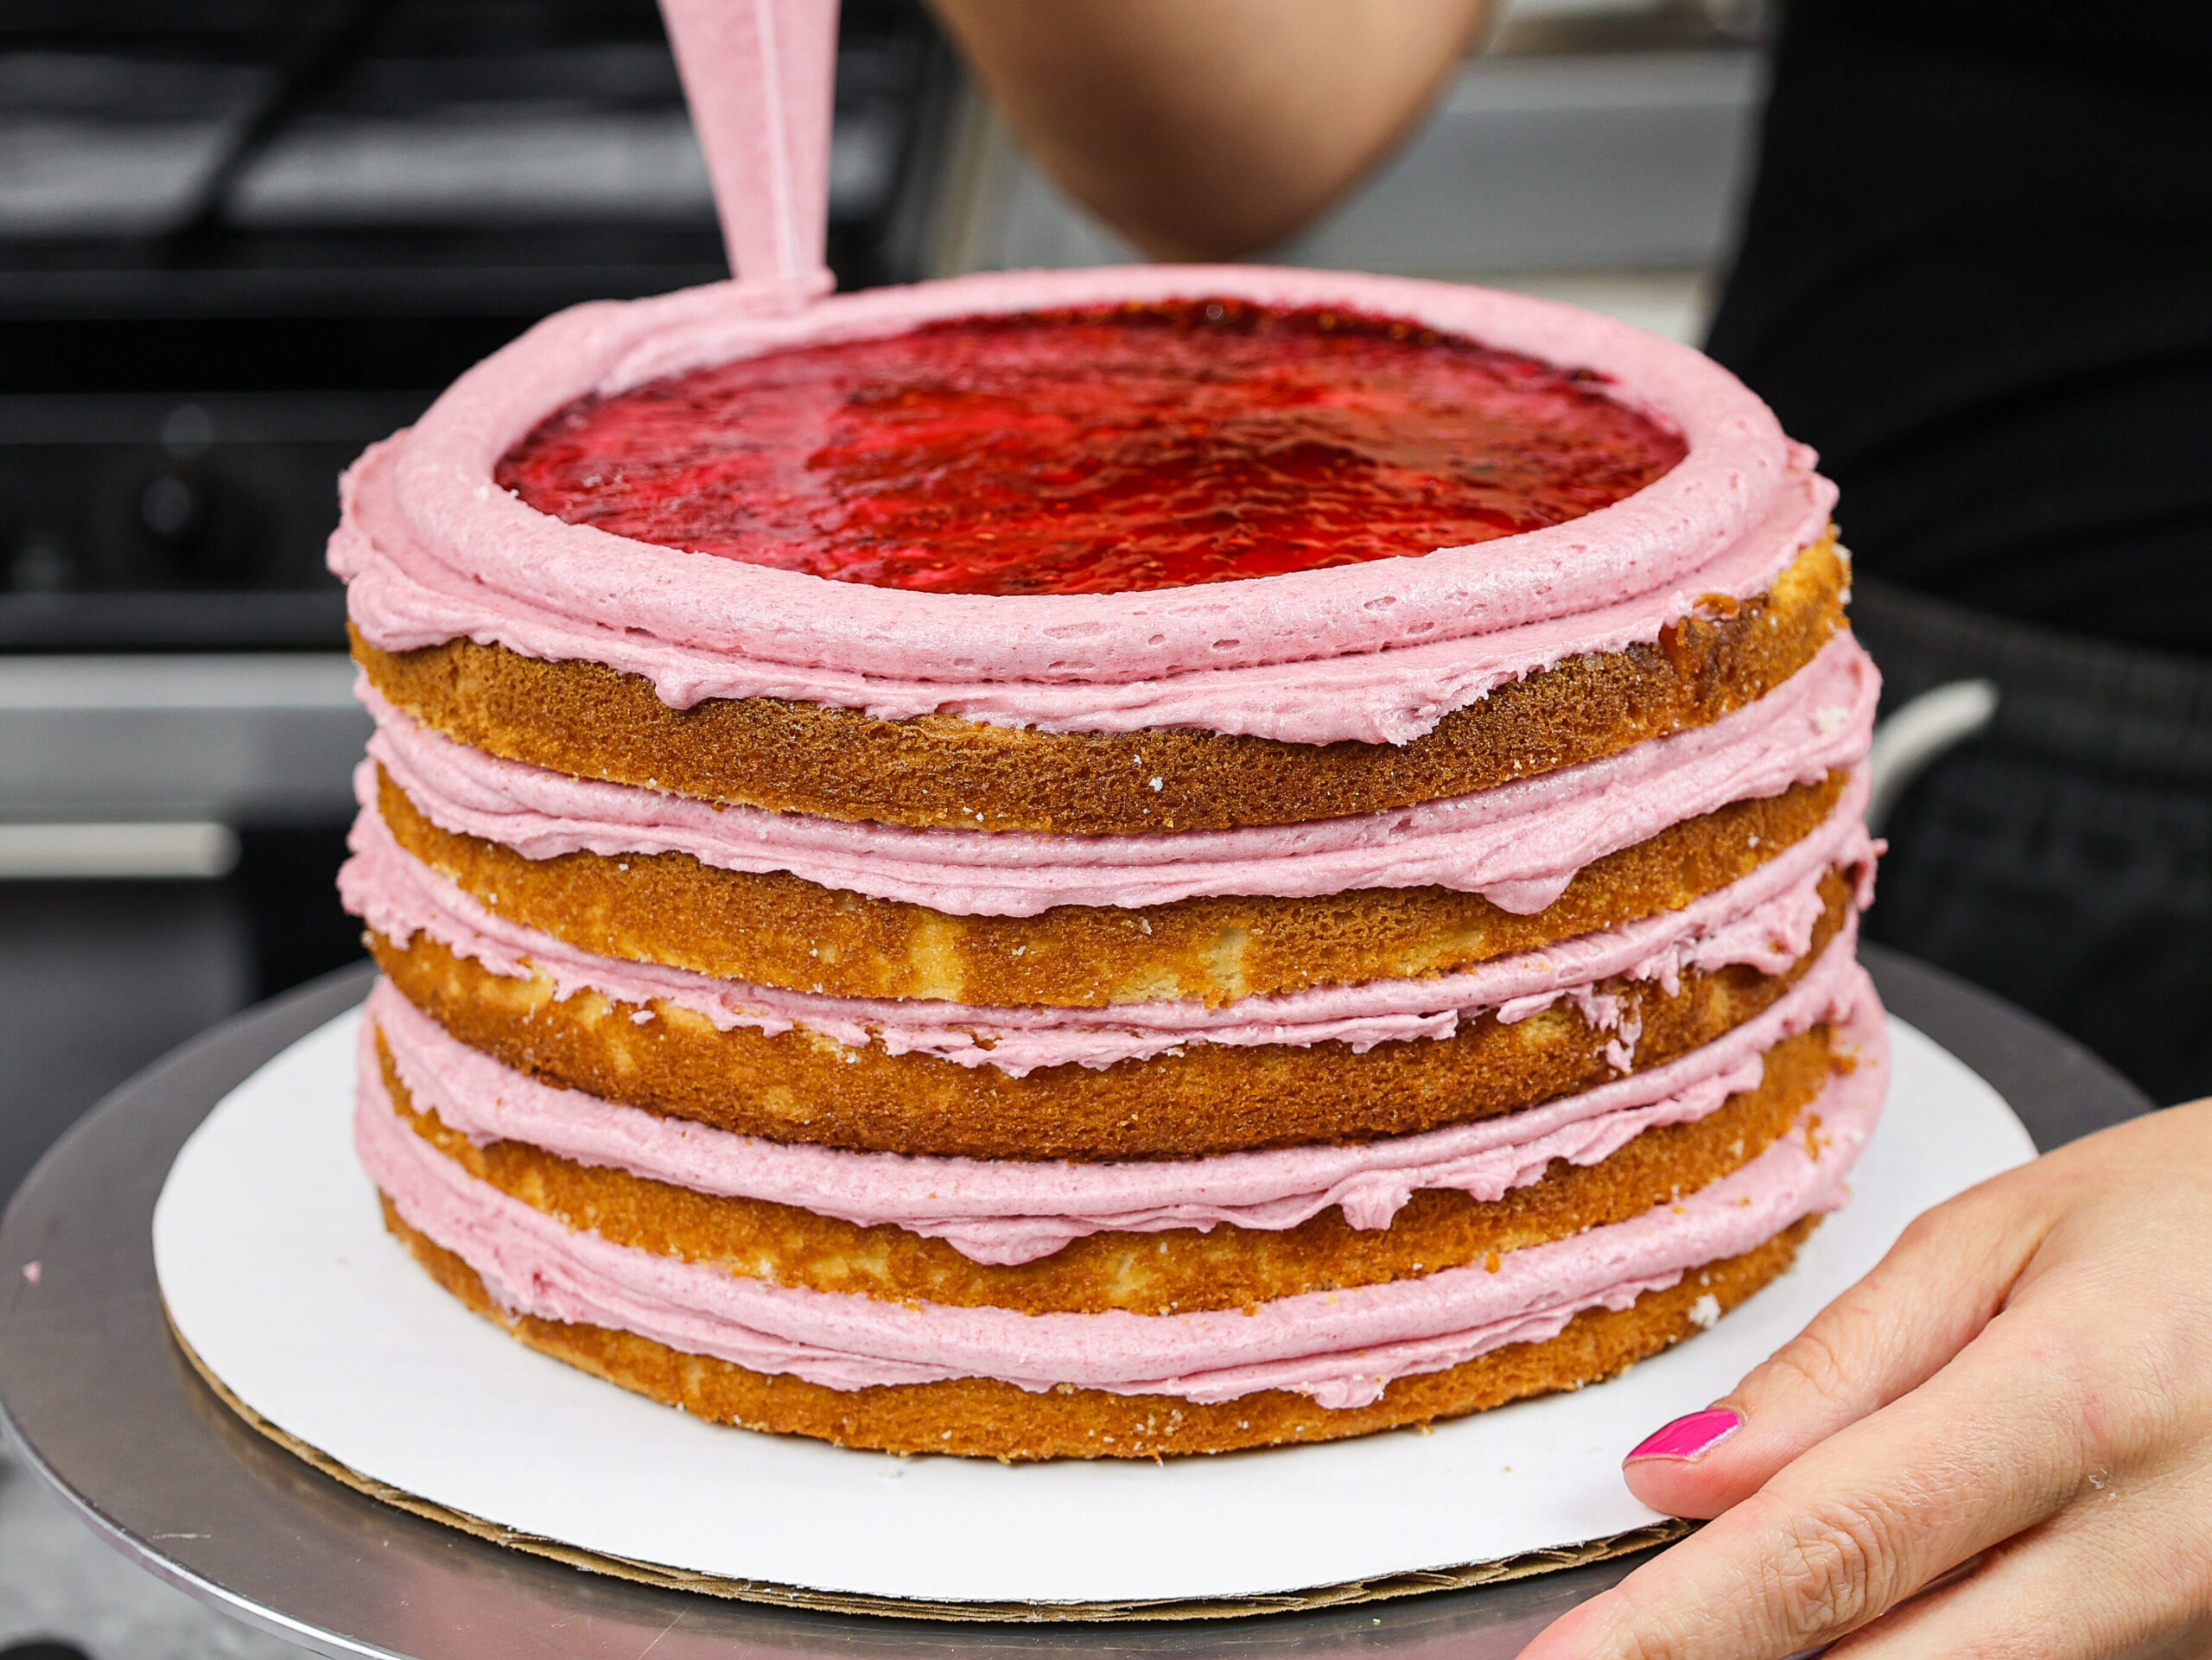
1095	451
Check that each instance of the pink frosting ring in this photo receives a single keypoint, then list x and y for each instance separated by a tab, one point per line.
503	551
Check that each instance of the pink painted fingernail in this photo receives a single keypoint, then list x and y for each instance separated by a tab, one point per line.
1687	1438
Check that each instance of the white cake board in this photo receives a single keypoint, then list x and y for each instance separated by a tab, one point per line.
280	1278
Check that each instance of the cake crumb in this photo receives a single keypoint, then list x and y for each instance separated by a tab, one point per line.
1704	1313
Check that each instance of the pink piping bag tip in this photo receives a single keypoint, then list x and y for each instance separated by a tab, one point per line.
1689	1437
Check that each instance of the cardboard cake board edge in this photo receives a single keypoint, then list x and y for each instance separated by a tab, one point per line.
1380	1588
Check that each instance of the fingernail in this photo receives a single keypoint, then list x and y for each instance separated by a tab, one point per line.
1685	1438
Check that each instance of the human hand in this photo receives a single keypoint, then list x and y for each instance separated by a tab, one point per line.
1998	1442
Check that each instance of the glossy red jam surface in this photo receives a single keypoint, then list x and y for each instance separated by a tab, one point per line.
1095	451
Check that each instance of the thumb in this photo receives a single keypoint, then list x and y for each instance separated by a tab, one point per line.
1945	1279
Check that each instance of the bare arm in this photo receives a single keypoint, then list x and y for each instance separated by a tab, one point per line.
1202	128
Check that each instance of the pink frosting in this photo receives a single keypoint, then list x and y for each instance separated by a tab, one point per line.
1007	1211
1765	919
432	551
1518	845
1340	1348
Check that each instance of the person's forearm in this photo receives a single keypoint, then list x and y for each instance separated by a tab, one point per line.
1202	128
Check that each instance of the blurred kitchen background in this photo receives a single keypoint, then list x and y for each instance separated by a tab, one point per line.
241	238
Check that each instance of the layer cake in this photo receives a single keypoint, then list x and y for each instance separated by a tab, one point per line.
1106	863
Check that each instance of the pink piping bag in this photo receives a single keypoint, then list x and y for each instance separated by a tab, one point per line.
760	77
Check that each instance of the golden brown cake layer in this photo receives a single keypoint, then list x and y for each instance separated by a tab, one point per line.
978	1417
777	930
1178	1270
942	770
800	1086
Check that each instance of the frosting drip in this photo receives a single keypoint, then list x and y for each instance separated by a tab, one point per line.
1340	1348
1518	845
1008	1211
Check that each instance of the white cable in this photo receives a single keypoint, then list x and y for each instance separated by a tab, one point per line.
1916	736
116	852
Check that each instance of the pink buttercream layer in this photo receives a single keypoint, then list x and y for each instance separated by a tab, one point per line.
1340	1348
432	551
1006	1212
1518	845
1765	919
